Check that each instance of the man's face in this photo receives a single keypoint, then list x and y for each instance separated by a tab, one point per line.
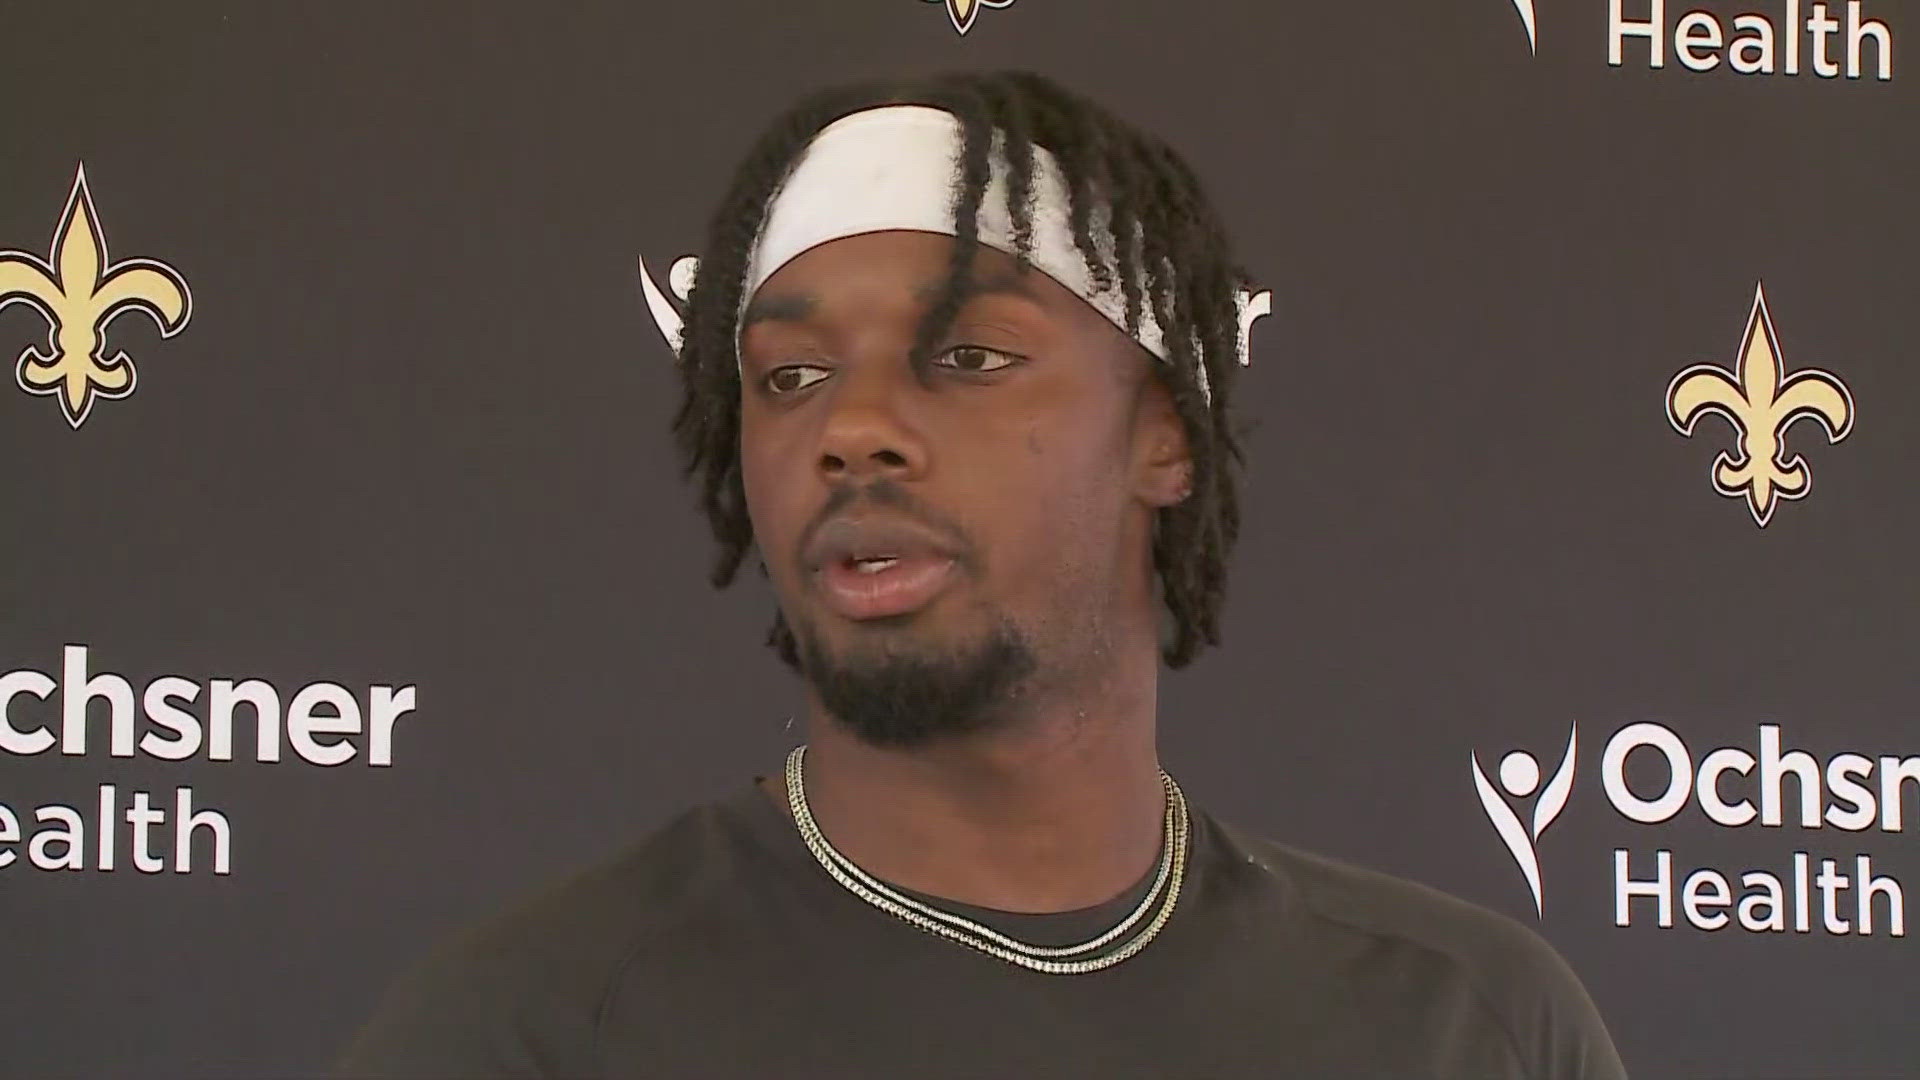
946	539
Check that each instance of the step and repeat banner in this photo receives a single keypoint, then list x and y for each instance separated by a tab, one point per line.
351	592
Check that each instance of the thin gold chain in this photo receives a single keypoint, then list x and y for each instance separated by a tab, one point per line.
808	827
985	939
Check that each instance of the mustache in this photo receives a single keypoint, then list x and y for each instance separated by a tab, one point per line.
889	495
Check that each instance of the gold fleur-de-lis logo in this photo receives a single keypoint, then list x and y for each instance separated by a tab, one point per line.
963	12
1761	402
79	290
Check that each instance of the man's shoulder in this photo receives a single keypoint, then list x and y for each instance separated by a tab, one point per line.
1354	899
588	918
1504	966
523	988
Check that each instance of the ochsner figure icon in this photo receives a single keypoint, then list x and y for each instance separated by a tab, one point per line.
1520	777
665	315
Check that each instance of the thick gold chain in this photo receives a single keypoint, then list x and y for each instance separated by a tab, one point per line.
1051	960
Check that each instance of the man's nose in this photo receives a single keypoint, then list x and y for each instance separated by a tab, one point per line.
870	429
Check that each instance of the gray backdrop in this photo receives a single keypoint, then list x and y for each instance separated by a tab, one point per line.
413	434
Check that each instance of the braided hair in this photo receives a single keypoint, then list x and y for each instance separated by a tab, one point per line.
1178	251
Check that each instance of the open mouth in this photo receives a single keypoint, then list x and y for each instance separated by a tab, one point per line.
870	566
875	586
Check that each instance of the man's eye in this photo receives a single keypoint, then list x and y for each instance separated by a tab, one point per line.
794	377
975	358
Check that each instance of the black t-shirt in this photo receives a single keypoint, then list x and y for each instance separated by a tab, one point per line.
718	947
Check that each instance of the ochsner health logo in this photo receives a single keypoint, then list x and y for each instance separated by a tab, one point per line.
1827	807
1520	777
1829	39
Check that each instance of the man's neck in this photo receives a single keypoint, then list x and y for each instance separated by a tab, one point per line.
1061	810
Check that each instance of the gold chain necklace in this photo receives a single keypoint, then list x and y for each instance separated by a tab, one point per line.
1051	960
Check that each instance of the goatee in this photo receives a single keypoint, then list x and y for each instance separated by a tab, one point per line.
903	699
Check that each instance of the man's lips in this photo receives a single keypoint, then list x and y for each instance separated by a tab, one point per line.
870	567
874	589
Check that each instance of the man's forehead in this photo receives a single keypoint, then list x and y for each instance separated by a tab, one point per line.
794	294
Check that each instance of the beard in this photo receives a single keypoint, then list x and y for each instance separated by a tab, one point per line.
904	698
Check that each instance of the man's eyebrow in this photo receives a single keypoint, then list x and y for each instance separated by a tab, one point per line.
785	307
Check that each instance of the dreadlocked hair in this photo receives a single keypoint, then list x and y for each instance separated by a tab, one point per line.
1169	251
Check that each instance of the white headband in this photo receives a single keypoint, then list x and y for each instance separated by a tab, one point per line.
892	168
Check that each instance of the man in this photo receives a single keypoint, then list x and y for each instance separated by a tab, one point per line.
958	364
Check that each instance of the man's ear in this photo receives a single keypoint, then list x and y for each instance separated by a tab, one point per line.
1163	459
